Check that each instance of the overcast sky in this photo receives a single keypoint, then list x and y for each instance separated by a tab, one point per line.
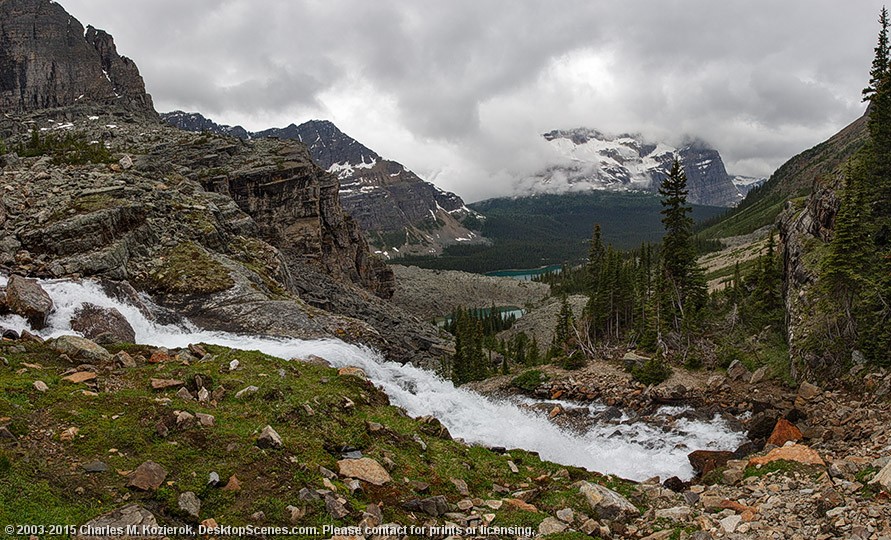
460	91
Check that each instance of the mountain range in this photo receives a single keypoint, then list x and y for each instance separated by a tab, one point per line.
400	212
586	159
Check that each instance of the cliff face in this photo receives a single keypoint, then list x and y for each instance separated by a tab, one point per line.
48	60
399	212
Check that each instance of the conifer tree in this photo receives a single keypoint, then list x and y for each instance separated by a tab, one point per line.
880	63
684	282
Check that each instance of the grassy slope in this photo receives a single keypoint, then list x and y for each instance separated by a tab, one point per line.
41	480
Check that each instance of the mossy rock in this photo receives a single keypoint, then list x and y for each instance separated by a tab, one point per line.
190	269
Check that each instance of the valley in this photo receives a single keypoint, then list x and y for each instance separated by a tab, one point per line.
210	331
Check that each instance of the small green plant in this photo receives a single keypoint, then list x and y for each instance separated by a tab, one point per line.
573	360
529	380
653	371
70	148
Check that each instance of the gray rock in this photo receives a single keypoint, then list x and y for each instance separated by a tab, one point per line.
335	507
78	348
883	477
95	467
606	503
551	526
213	479
738	372
27	298
123	518
432	506
93	321
245	392
269	438
189	503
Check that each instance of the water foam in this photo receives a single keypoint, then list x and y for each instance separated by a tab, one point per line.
632	450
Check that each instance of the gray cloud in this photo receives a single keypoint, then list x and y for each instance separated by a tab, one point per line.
459	91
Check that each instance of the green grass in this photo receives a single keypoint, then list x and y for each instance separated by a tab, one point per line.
41	480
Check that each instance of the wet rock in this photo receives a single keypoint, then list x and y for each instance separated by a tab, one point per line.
606	503
189	503
131	517
78	348
705	461
675	484
25	297
269	438
365	469
147	477
93	321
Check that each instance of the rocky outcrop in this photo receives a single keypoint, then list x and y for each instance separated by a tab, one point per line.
48	60
391	204
804	227
107	324
25	297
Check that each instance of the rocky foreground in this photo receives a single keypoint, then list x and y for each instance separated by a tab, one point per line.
204	436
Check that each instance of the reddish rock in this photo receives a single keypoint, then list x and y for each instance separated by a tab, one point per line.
147	477
783	432
158	357
705	461
798	453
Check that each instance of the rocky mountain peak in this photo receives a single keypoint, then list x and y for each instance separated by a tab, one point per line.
587	159
328	145
48	60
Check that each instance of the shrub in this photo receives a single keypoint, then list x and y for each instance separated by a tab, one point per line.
653	371
529	380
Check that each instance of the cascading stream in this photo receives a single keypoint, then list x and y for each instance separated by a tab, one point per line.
636	451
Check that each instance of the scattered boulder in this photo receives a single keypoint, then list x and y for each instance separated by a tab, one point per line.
95	467
93	321
883	477
365	469
189	503
430	425
27	298
147	477
738	372
798	453
161	384
127	518
705	461
783	432
759	375
40	386
606	503
83	349
352	371
123	359
808	391
245	392
336	507
269	438
551	526
432	506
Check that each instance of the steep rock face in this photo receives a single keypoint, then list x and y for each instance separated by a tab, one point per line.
400	213
48	60
240	236
298	210
396	207
587	159
805	229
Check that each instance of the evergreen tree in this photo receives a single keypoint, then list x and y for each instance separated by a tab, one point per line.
683	280
562	331
880	63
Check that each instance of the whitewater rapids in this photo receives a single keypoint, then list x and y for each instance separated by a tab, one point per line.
636	451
